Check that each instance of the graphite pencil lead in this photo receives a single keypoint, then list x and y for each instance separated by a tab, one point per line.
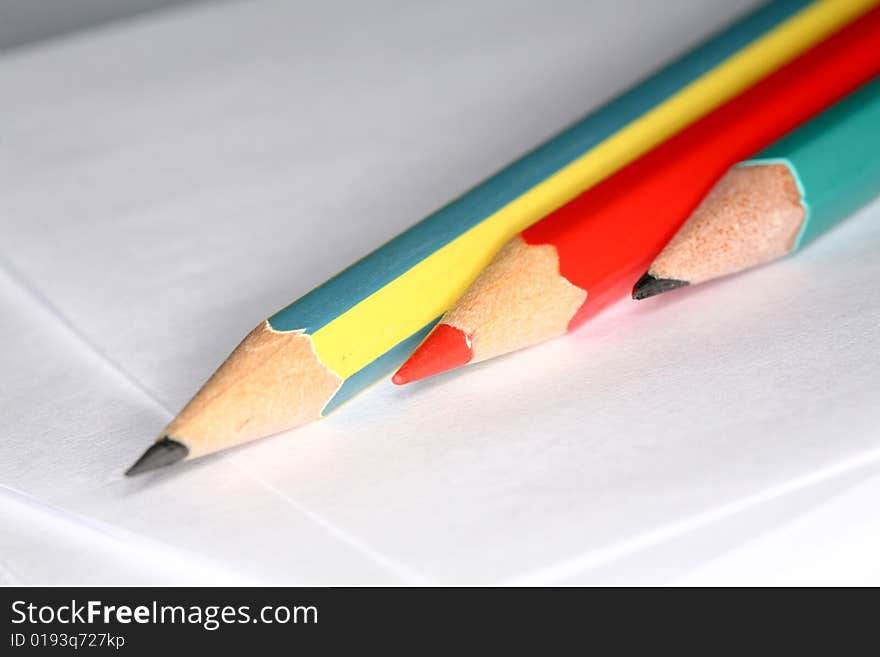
166	451
649	286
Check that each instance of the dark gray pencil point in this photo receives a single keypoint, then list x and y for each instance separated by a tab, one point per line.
161	453
648	286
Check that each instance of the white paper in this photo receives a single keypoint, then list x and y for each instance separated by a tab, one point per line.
167	183
834	542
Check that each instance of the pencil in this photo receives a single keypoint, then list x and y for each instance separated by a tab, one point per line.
778	201
571	264
320	351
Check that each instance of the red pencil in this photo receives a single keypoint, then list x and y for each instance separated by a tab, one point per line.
574	262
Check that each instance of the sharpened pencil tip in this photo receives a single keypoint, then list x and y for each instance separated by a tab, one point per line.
161	453
445	348
648	286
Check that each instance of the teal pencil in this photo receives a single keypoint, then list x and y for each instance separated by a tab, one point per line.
780	200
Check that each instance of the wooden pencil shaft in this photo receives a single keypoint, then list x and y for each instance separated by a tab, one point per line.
753	215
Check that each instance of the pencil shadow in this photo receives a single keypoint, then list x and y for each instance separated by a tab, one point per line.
134	485
673	298
453	377
417	388
662	302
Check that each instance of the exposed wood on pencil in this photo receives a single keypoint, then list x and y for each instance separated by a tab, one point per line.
523	278
752	216
272	382
526	279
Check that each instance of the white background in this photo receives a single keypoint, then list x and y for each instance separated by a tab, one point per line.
167	182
